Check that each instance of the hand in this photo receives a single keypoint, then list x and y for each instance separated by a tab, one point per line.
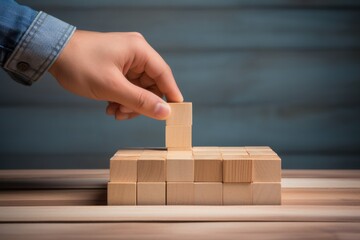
121	68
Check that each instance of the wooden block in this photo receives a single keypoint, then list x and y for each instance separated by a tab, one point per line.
266	193
208	193
121	193
233	151
129	152
267	169
207	168
160	152
237	194
180	193
180	167
237	168
178	153
151	169
151	193
206	149
178	136
181	114
123	168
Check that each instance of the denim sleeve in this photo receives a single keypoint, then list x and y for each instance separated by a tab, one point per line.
30	41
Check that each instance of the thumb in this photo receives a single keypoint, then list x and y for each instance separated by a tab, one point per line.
141	100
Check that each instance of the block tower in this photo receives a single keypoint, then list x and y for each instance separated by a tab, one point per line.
184	175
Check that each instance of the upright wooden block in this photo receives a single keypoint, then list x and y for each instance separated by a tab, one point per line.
208	193
123	168
266	193
180	167
181	114
178	136
267	169
121	193
237	168
151	193
151	169
180	193
207	168
237	194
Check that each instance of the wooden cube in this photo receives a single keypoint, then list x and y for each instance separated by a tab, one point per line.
123	168
208	193
180	167
178	136
267	169
129	152
237	168
181	114
180	193
151	169
154	152
207	168
237	194
266	193
121	193
151	193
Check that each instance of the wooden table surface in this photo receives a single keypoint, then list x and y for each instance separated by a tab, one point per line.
71	204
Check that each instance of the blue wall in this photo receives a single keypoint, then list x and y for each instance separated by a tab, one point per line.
278	72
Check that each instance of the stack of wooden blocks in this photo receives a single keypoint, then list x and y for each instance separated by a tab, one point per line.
184	175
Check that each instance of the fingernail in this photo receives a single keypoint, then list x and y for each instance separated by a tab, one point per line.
162	110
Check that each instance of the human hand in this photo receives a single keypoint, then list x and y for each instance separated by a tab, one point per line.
121	68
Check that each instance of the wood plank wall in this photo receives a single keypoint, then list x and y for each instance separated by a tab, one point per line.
278	72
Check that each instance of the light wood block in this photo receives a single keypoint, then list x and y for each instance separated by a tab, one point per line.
237	194
151	169
267	169
181	114
151	193
180	167
180	193
121	193
129	152
237	168
266	193
208	193
123	168
207	168
178	136
161	152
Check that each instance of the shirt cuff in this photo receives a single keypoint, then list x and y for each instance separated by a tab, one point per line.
38	48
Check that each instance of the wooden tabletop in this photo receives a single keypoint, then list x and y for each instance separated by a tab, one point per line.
53	204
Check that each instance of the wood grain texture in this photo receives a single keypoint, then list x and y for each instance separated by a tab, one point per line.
208	193
186	230
238	168
237	194
266	168
149	193
180	213
181	114
266	193
123	168
179	168
180	193
208	168
120	193
178	136
151	169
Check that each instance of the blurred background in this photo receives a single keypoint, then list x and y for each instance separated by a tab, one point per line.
281	73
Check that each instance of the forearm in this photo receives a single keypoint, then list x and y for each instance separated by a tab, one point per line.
30	41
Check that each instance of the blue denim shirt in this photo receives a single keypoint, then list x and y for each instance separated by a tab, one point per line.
30	41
